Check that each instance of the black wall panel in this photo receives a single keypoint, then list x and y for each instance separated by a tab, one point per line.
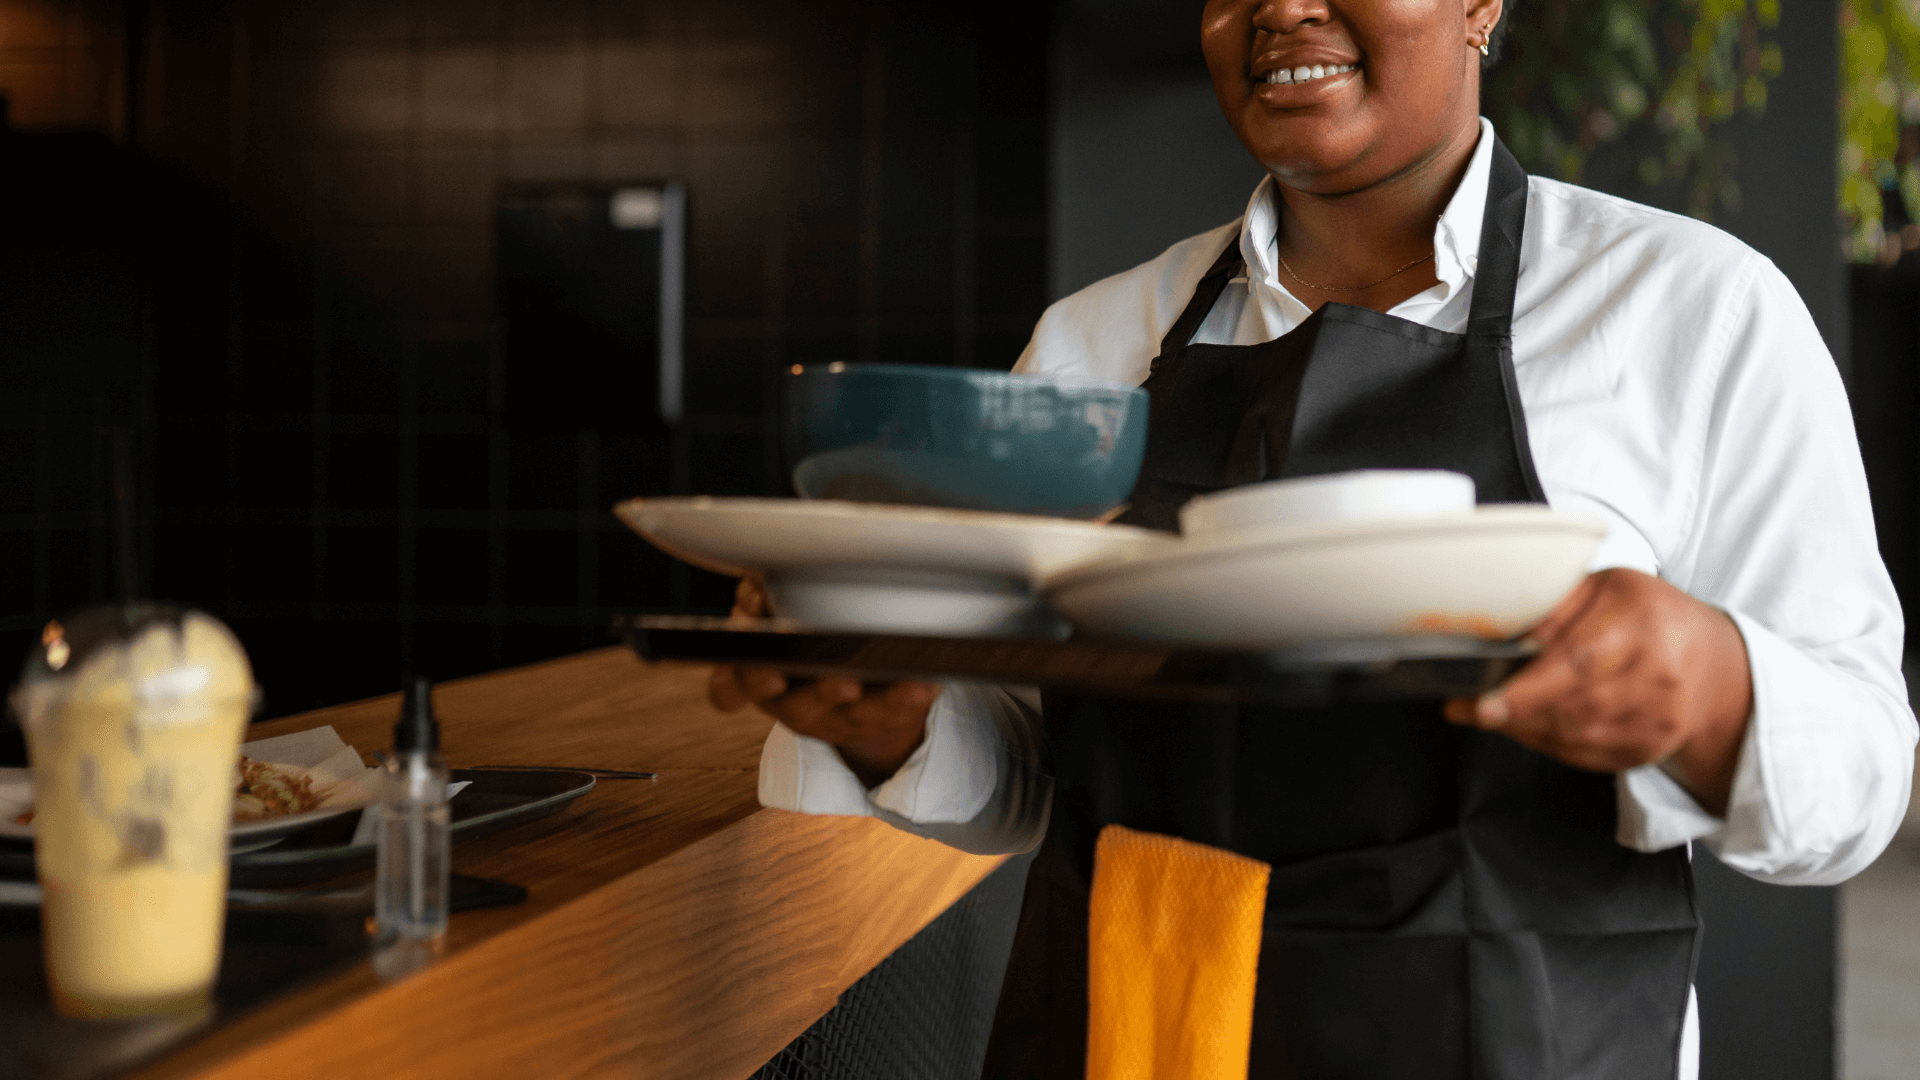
276	287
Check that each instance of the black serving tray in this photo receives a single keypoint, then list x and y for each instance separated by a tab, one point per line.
1318	674
495	800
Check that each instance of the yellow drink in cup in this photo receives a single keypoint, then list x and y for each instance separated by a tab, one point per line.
133	719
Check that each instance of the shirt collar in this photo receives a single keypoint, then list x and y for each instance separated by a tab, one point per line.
1456	239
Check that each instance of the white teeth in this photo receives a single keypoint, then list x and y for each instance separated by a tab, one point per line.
1302	74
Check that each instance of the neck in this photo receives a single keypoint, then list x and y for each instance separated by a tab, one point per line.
1358	235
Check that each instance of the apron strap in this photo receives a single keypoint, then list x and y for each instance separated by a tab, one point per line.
1204	295
1490	319
1498	274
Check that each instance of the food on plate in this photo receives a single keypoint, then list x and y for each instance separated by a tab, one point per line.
266	790
262	790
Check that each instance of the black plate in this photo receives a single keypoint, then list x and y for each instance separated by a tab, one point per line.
496	799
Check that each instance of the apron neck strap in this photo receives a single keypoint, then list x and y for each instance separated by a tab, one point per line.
1209	290
1501	227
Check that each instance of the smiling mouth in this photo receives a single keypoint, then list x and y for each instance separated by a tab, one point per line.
1303	74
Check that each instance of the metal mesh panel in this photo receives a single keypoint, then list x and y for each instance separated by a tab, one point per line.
926	1011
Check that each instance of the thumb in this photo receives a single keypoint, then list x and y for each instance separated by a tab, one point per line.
750	598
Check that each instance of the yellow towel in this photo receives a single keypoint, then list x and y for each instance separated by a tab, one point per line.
1173	949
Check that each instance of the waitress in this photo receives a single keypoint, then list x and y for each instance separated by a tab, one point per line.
1497	888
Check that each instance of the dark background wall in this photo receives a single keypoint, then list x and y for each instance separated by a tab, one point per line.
1141	155
253	244
1142	158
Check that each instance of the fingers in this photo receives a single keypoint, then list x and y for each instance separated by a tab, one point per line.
1601	694
841	711
1527	706
810	708
1570	609
896	706
1574	674
832	708
749	599
884	729
730	687
724	688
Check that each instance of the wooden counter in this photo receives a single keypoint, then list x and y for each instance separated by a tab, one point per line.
673	928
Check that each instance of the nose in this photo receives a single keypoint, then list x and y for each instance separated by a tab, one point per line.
1286	16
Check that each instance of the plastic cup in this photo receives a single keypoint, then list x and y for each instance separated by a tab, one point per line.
133	758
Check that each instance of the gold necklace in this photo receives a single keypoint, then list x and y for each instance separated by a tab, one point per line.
1350	288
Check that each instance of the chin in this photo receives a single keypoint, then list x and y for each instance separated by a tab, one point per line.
1320	156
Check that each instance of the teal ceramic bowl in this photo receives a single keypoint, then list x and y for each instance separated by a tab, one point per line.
962	437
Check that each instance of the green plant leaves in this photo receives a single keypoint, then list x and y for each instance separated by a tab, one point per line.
1879	74
1579	74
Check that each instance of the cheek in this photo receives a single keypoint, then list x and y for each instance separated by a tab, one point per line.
1416	87
1414	18
1226	40
1416	45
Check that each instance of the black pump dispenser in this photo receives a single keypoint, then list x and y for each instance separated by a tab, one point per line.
418	729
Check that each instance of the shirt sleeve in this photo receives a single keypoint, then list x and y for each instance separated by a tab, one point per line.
1782	539
974	783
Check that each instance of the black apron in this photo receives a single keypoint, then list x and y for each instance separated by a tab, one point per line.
1444	903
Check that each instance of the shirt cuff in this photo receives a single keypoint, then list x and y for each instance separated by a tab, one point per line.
1657	812
1791	693
1824	769
949	778
801	773
951	775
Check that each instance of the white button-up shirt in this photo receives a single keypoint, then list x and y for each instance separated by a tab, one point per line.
1674	386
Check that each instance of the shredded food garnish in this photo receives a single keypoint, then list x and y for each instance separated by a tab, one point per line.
267	790
262	790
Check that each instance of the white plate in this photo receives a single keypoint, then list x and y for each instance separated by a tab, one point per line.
903	569
1359	495
319	751
1490	574
250	833
740	536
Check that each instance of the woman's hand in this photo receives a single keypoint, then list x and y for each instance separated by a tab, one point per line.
875	732
1631	670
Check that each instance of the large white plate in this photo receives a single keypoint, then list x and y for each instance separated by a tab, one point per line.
740	536
887	569
1491	574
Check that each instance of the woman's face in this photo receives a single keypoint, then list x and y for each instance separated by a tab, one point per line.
1414	82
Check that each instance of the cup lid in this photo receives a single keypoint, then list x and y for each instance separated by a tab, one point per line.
140	652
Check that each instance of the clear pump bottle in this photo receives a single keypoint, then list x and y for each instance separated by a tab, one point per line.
412	868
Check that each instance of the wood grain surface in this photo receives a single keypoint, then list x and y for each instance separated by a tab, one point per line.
673	928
